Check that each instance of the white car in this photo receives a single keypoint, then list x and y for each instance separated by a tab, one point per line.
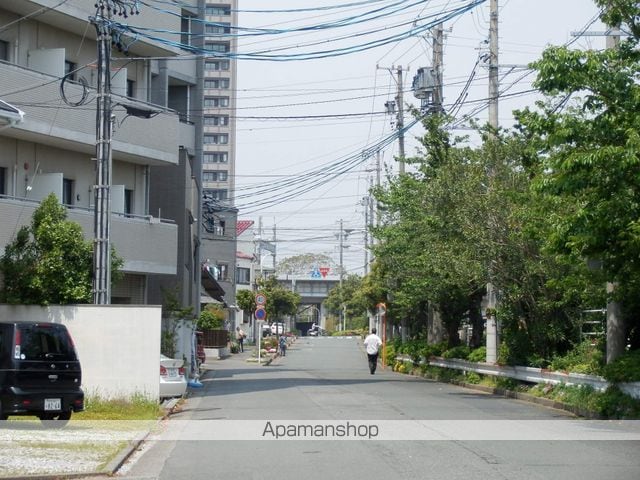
173	382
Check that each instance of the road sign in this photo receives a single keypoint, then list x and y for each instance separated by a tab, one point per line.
261	313
261	299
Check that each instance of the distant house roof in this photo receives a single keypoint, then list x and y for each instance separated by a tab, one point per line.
242	226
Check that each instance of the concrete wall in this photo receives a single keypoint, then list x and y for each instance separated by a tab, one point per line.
118	346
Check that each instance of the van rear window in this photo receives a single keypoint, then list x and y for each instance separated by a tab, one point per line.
45	343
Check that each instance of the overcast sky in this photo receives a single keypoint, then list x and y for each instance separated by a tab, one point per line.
282	149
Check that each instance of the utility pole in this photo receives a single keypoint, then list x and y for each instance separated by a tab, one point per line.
102	188
400	121
438	55
341	239
492	325
274	244
493	64
391	109
366	201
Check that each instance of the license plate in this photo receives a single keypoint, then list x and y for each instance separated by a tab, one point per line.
173	372
52	404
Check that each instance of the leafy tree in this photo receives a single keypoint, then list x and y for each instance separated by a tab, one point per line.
280	301
50	262
246	300
350	294
587	134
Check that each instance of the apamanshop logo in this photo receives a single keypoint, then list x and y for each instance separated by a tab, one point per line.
330	431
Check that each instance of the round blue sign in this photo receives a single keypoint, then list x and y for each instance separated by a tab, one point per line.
261	313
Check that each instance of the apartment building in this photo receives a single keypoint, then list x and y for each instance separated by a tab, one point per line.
48	70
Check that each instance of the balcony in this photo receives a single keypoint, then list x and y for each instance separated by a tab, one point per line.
50	121
147	245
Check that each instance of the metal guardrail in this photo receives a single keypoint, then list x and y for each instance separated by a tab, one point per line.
527	374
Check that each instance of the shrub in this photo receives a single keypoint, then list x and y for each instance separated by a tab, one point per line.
478	355
624	369
583	358
389	354
211	318
461	352
473	377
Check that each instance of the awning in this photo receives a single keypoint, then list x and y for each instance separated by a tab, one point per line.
210	284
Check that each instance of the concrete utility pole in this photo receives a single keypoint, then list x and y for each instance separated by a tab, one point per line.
492	325
102	188
400	121
340	240
438	56
493	64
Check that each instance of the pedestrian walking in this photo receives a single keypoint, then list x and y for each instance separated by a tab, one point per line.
372	345
240	336
283	346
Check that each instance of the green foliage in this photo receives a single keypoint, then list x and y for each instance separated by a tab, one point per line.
583	358
478	355
50	262
174	316
390	354
625	368
211	318
246	300
462	352
473	378
280	301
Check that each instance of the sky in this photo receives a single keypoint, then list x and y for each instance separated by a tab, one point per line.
316	112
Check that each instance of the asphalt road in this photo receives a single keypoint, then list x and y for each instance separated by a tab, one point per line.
325	381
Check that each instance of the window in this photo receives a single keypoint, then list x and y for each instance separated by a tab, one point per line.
131	88
3	180
216	139
216	193
216	120
217	28
67	191
186	29
222	83
222	271
218	10
128	201
243	275
216	101
218	176
215	157
220	47
4	50
70	69
217	65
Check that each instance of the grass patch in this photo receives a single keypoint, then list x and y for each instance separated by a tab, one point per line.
136	407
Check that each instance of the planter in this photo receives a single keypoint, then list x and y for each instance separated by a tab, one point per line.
215	338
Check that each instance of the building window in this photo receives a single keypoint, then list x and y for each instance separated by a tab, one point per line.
215	157
216	139
220	83
67	191
215	176
216	102
131	88
128	201
4	50
216	120
222	271
220	47
70	69
243	276
186	28
3	181
217	65
216	193
217	28
218	10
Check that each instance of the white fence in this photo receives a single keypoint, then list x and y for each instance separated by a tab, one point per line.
118	345
528	374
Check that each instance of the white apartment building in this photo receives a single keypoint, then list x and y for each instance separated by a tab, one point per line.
219	107
43	42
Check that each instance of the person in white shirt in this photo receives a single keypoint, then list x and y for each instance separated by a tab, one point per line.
372	344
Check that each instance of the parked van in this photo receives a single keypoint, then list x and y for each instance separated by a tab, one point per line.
39	371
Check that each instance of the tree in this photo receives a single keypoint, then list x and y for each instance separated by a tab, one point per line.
350	295
49	262
280	301
587	131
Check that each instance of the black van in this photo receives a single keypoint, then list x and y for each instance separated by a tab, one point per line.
39	371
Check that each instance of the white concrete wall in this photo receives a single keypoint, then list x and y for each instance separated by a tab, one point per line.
118	345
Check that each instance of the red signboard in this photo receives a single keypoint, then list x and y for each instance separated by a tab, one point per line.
324	271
